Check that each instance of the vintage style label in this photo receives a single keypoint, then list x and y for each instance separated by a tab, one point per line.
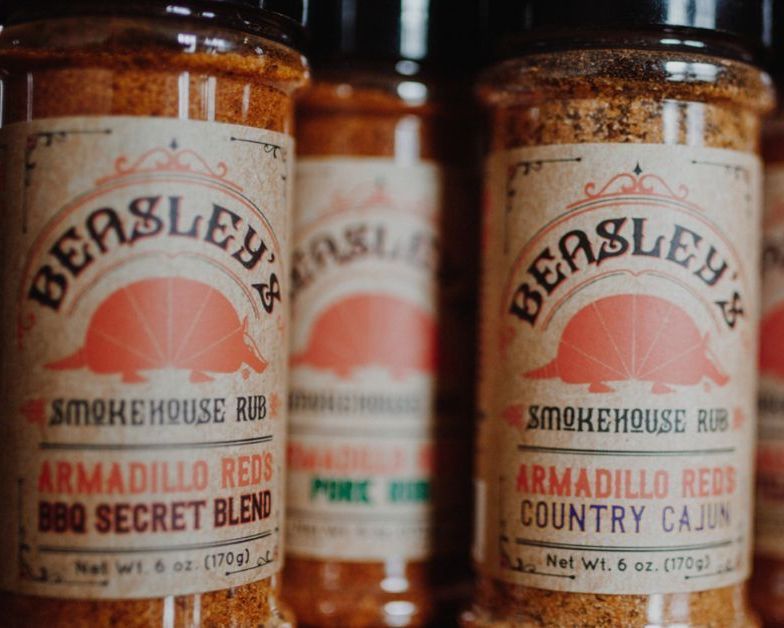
770	449
617	367
361	458
144	343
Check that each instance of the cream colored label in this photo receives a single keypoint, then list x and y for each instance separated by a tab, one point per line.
364	353
145	277
618	382
770	449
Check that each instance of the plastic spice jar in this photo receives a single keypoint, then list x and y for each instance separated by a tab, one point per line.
382	297
619	309
767	586
146	164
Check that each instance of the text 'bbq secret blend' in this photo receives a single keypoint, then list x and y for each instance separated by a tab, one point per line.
147	170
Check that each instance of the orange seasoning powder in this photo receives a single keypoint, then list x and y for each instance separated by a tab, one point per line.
145	149
619	296
381	388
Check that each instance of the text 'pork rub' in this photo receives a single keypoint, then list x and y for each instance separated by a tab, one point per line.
382	288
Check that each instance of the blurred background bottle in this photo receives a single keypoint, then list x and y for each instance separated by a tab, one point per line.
383	303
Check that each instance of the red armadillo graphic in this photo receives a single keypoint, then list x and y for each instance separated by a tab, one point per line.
165	323
631	337
771	357
371	330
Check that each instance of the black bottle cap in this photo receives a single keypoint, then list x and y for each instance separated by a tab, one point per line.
776	40
292	9
281	20
518	26
440	33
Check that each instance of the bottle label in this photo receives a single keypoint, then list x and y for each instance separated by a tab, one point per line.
770	450
364	354
617	390
144	355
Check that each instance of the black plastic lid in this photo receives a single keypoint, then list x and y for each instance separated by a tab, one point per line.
281	20
518	26
292	9
430	32
776	40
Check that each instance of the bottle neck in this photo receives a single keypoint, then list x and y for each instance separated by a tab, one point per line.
203	12
675	40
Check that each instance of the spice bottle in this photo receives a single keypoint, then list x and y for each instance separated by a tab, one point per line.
619	307
381	371
767	585
146	154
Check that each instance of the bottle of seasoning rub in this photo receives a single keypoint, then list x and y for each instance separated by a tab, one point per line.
146	165
619	296
767	587
382	378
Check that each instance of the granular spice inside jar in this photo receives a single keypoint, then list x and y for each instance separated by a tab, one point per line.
590	133
381	386
232	69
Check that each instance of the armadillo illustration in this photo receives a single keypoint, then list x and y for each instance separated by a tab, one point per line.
371	330
771	357
631	337
165	323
